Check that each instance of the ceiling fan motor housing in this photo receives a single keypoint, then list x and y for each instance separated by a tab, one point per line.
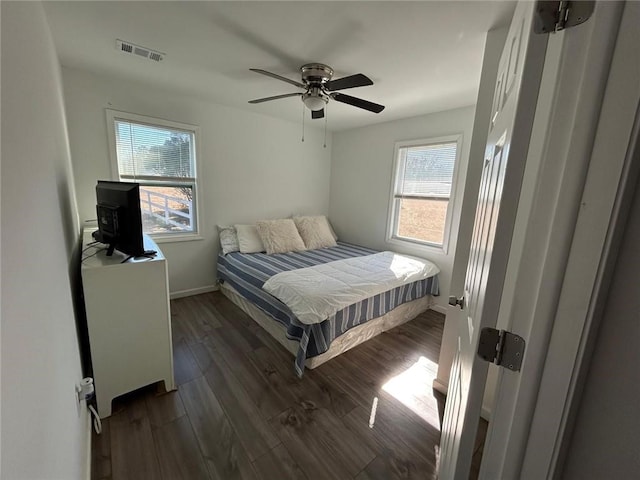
316	73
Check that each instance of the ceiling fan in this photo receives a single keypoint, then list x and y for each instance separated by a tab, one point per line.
319	88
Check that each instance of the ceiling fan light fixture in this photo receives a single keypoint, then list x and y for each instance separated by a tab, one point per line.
314	102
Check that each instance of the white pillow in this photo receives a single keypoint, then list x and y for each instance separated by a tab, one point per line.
333	232
280	236
248	239
315	231
228	239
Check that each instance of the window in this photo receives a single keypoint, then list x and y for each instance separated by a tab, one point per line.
424	176
161	157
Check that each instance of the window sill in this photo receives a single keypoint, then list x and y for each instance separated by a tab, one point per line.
187	237
418	246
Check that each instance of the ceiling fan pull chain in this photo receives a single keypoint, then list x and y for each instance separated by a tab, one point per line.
303	122
325	127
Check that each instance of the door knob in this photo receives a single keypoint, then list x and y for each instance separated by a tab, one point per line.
453	301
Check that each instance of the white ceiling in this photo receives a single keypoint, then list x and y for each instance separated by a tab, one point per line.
422	56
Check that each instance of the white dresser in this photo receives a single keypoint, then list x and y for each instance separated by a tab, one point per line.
128	319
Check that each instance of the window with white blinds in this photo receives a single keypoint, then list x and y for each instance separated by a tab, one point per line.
161	157
150	151
423	182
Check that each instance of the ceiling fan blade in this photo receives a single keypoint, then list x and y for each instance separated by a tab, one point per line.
352	81
278	77
357	102
317	113
276	97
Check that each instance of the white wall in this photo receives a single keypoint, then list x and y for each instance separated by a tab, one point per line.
44	430
251	166
361	172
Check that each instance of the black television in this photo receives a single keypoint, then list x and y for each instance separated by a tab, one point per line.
119	217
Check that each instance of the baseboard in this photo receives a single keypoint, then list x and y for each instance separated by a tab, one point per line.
193	291
439	308
439	386
485	413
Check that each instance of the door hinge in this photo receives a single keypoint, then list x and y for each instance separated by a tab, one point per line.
503	348
551	17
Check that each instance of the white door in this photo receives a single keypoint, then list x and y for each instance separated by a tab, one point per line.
514	103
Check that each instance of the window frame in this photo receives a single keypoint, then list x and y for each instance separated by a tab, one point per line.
394	204
112	116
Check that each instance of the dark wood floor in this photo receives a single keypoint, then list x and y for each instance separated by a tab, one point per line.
240	412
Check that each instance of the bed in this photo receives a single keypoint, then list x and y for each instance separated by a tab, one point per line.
243	275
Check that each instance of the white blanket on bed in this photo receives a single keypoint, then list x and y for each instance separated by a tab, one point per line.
315	293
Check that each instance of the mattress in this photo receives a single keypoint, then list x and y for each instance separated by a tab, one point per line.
352	338
246	273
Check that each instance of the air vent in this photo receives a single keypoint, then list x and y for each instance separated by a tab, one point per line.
127	47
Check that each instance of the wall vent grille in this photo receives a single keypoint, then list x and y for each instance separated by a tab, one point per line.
131	48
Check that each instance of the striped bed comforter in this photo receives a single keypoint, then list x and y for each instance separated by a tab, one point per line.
247	273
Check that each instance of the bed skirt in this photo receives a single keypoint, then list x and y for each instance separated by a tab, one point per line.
351	338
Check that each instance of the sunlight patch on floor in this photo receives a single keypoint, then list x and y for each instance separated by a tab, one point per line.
414	388
374	409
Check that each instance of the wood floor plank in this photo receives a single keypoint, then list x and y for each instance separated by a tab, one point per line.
396	467
133	454
197	318
414	427
164	408
405	446
204	312
391	436
266	339
311	388
428	345
413	387
101	453
417	425
178	452
357	385
237	337
224	454
403	346
180	329
254	432
185	367
278	464
407	359
381	347
269	400
228	310
178	332
420	343
229	316
368	358
321	444
409	338
426	328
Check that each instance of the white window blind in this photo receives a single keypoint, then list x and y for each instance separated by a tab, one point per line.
145	151
427	171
